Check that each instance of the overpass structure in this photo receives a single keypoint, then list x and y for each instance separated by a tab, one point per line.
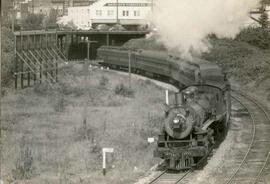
39	54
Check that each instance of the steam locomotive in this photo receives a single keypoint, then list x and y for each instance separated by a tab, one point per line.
198	118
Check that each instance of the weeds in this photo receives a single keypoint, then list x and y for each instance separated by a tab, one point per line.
41	89
59	103
122	90
255	36
103	82
24	165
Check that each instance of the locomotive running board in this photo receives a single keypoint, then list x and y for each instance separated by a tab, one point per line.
210	121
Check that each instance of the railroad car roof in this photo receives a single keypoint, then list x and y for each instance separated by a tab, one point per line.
163	55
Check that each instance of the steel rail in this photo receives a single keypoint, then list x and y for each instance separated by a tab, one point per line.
268	155
156	178
253	135
180	179
177	180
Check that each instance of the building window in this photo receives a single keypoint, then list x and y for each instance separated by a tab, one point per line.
88	11
110	12
136	13
125	13
99	13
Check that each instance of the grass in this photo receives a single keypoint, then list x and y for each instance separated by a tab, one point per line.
64	130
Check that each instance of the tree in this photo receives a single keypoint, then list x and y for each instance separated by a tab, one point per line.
263	19
266	1
50	22
33	21
7	58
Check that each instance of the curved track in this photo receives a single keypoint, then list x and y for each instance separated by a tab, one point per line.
170	178
256	157
254	160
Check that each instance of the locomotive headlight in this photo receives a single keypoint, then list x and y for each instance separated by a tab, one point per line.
176	120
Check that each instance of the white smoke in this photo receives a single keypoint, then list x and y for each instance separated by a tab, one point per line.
184	25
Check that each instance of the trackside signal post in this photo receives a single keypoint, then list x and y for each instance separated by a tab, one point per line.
104	151
129	68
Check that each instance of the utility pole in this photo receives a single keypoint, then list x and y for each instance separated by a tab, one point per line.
13	17
117	18
88	48
129	68
33	6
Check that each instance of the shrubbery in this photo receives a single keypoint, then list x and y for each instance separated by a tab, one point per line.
7	58
103	82
122	90
255	36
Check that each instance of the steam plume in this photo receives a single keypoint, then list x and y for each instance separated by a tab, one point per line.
184	25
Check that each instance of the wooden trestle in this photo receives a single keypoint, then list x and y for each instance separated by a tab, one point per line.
37	59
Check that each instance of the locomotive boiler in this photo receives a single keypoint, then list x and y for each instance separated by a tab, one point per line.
194	123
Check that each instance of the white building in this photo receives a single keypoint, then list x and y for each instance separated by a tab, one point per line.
126	12
130	12
80	16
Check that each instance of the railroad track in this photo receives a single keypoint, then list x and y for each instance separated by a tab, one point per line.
256	158
170	177
254	161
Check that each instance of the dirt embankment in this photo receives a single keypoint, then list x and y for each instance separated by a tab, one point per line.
56	136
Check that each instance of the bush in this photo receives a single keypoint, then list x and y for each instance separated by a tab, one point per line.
7	60
103	82
42	89
122	90
59	105
33	21
255	36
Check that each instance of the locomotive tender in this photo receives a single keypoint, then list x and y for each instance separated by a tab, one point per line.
198	118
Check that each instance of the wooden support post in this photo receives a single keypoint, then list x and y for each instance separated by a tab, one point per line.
46	40
28	78
41	66
53	58
29	73
22	76
34	45
22	67
46	69
56	72
61	43
16	62
88	52
108	39
72	39
56	39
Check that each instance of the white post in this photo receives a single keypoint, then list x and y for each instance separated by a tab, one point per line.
104	162
167	97
104	151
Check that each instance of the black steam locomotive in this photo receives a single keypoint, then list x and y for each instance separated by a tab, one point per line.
198	118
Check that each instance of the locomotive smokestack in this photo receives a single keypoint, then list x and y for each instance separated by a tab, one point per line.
176	98
181	98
